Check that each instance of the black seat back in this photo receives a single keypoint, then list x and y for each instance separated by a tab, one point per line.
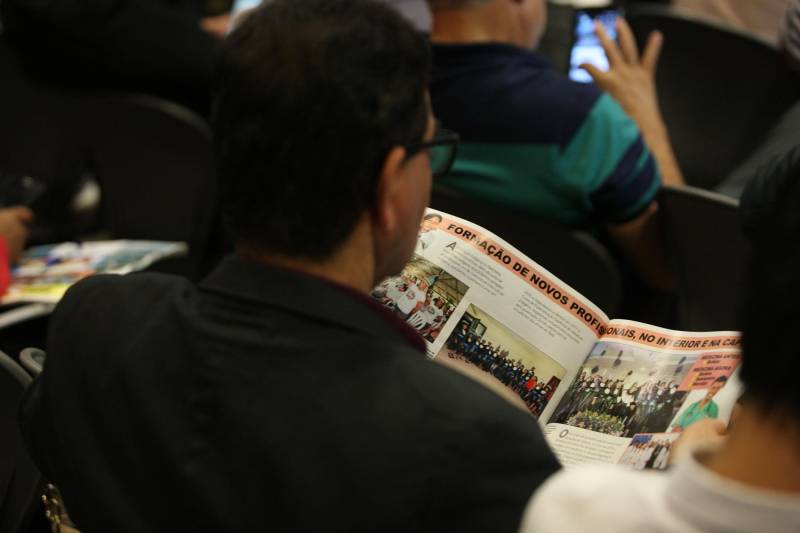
37	138
152	158
154	162
556	43
709	252
720	90
20	480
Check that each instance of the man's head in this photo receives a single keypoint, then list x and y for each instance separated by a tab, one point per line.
771	357
315	101
518	22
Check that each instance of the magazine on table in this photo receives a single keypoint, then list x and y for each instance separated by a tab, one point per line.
44	273
605	391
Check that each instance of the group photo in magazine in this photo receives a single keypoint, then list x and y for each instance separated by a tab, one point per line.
481	341
649	451
424	295
629	390
604	390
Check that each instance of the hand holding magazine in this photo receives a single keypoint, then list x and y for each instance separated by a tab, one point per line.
605	391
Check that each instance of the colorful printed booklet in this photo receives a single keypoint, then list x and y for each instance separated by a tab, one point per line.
605	391
44	273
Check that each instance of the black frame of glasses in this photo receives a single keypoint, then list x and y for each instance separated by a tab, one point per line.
442	137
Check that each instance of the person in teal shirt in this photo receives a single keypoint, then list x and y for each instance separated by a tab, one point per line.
589	156
705	408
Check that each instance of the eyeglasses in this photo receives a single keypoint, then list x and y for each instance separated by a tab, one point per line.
441	150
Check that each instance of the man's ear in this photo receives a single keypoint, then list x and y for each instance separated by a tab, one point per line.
390	193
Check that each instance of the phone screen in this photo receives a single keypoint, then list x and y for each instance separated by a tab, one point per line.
243	5
587	47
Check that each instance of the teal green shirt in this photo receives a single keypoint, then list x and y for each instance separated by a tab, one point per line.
694	413
538	142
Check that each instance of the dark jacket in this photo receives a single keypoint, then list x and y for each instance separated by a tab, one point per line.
266	400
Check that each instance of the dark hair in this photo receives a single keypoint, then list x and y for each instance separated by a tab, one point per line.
771	316
722	379
310	96
432	216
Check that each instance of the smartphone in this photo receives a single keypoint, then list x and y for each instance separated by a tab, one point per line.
586	47
238	7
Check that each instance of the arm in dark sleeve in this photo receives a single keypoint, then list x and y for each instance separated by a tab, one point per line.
495	472
35	426
51	399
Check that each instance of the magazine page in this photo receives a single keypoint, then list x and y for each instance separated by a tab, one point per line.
639	388
44	273
493	313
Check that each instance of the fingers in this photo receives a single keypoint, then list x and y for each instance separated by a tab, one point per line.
598	75
216	25
717	427
609	46
627	50
707	431
627	42
706	434
652	51
14	219
735	413
13	230
23	214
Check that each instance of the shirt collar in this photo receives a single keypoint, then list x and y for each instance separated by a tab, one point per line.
404	330
488	52
306	294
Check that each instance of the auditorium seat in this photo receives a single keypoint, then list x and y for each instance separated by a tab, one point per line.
154	162
720	90
20	481
709	253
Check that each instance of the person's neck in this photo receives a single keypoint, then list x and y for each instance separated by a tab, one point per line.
761	451
352	265
471	26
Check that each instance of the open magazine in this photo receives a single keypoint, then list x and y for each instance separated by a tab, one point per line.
44	273
605	391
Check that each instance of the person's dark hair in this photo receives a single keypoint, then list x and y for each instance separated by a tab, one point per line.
310	96
771	317
431	216
721	379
